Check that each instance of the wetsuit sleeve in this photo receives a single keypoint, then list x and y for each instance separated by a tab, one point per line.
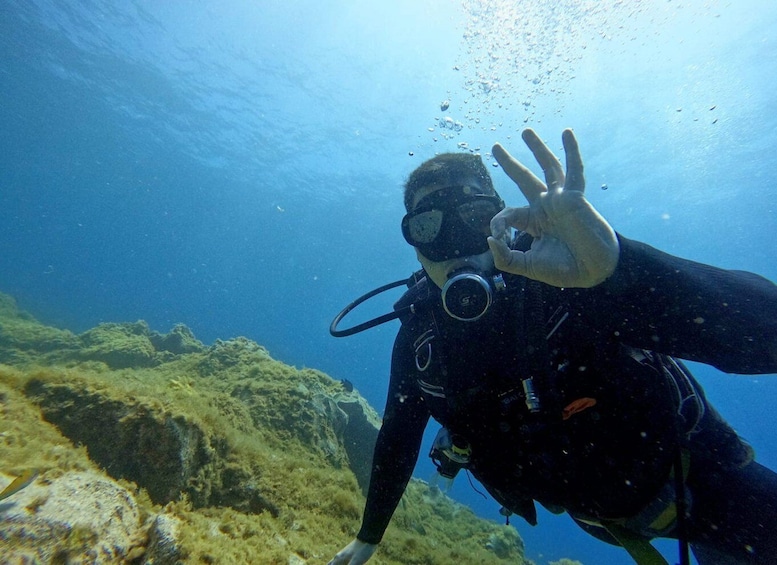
398	444
693	311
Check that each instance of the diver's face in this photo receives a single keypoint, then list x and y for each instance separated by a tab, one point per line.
449	226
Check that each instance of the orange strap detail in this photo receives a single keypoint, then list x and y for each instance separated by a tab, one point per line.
577	406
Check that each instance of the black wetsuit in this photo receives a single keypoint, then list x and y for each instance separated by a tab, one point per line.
604	443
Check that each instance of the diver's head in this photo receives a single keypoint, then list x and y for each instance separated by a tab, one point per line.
450	201
446	169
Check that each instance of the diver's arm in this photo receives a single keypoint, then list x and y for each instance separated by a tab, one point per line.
396	452
398	444
394	458
656	301
393	462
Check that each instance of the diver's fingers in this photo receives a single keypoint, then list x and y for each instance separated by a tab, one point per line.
575	178
551	166
530	185
505	259
517	218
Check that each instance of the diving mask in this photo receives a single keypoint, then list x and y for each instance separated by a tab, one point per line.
452	222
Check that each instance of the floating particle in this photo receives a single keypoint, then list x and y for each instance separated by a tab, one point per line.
410	153
604	186
444	105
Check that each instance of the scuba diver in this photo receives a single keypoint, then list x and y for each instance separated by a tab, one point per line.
549	348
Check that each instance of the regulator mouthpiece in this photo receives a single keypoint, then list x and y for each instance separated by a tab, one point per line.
467	295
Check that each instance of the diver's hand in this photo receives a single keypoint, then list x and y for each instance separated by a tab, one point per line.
355	553
573	245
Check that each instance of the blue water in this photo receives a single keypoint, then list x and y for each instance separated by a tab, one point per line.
237	166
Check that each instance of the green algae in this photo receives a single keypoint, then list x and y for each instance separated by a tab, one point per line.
23	339
269	479
26	440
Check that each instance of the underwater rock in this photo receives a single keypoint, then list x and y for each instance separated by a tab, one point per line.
505	542
78	517
359	436
125	345
297	406
24	340
179	341
254	460
163	453
22	337
167	454
119	345
238	353
431	514
163	544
